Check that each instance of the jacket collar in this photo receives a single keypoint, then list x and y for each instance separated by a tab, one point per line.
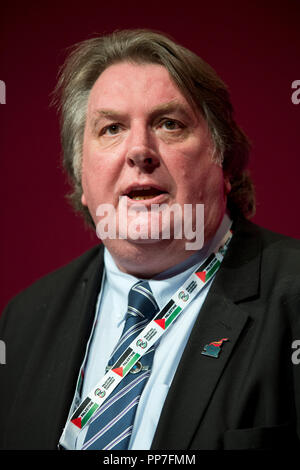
239	277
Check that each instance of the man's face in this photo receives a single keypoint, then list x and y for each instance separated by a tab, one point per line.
144	144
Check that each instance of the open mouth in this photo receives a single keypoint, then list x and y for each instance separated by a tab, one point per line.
143	193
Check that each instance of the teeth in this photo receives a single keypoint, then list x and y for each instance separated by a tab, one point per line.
140	198
141	193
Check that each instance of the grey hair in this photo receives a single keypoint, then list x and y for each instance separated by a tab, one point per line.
197	81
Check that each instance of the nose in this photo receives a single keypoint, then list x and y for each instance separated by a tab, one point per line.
141	151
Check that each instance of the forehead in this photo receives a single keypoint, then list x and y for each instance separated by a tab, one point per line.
128	85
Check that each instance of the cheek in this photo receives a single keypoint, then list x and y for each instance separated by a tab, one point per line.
99	172
215	188
204	184
181	168
191	164
95	182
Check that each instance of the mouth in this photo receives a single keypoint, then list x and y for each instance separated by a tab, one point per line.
142	193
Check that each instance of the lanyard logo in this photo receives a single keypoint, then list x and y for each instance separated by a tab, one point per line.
100	393
183	296
142	344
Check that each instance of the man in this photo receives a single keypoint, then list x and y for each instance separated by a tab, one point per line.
148	126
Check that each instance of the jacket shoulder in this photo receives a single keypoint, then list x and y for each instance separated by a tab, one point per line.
278	255
276	243
59	280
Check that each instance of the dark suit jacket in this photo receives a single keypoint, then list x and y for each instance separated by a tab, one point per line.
249	397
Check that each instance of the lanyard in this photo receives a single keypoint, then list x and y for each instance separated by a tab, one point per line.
141	344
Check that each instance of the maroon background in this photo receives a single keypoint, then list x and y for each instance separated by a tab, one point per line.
254	48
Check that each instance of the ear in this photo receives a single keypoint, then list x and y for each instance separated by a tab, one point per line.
83	200
227	185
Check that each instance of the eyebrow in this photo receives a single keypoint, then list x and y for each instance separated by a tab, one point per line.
108	114
171	107
165	108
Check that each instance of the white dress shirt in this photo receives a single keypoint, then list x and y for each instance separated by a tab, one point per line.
109	322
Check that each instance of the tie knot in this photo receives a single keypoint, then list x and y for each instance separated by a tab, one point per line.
141	301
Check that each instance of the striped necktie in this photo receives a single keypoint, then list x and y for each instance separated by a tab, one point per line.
112	426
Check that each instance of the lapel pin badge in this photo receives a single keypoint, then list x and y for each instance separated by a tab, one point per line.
213	349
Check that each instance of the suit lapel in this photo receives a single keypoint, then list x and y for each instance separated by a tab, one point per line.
197	375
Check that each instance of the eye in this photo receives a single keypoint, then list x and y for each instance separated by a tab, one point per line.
171	125
112	129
